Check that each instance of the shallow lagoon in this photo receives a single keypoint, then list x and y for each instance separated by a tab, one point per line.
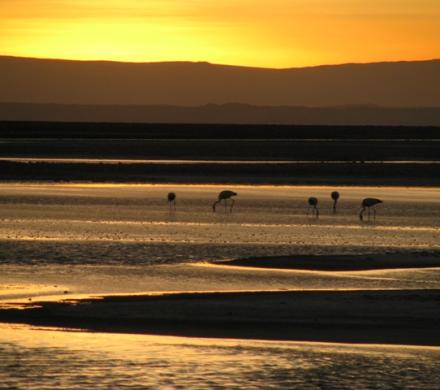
106	239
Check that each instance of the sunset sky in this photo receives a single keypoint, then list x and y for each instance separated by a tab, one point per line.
276	33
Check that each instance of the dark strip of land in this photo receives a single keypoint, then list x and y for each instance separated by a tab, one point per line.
106	130
306	154
229	173
228	150
391	317
342	262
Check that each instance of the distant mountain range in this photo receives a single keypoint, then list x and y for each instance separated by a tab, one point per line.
382	93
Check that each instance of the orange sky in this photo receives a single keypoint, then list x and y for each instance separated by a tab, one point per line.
275	33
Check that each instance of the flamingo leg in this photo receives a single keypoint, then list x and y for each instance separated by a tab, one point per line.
232	205
374	213
361	214
226	204
316	212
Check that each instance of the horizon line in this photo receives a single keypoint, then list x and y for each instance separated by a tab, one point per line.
201	62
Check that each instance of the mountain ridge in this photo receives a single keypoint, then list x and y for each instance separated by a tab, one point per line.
342	64
389	84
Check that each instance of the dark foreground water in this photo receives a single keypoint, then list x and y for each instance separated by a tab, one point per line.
38	358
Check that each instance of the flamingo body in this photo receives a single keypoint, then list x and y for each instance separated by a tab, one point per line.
172	199
367	204
335	196
225	196
313	204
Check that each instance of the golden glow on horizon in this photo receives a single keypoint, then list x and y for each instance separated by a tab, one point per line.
280	33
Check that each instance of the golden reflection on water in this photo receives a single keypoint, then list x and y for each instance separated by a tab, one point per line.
391	190
8	291
101	361
316	225
27	334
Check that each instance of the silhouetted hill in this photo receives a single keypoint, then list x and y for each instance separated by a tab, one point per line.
398	84
223	114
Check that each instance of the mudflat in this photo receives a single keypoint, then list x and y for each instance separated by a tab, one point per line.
392	317
342	262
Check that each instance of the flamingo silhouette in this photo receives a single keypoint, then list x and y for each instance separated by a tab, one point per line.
224	196
335	196
367	204
313	204
172	200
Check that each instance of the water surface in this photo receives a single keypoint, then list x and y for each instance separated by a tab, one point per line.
91	239
35	358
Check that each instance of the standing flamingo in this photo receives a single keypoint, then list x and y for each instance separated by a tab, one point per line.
224	196
368	203
172	200
313	204
335	196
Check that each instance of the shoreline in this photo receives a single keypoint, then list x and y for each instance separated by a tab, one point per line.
167	182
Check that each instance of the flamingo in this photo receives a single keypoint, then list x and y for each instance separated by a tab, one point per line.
224	196
313	203
367	203
335	196
172	199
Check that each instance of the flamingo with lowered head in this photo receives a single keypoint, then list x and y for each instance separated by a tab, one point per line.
367	204
225	196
